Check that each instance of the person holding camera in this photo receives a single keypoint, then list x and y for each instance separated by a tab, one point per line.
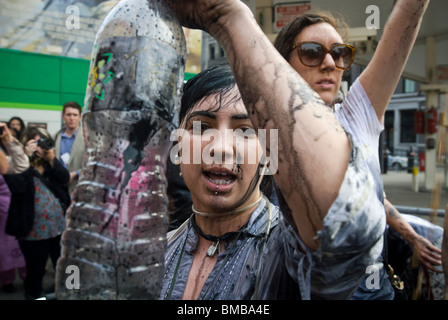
39	199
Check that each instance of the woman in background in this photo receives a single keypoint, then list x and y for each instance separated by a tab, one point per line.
41	191
18	126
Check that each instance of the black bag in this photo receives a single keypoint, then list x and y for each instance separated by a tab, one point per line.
397	283
395	280
21	210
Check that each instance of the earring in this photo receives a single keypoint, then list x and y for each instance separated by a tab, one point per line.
180	174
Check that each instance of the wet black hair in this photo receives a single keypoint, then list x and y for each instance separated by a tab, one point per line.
216	80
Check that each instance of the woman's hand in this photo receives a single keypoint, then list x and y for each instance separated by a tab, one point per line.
30	147
6	135
428	254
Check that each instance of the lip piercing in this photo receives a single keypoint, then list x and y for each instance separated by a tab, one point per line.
217	186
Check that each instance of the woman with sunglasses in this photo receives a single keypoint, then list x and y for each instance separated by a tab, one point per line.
314	47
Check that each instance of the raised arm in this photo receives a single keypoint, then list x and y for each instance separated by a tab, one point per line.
313	149
381	76
18	160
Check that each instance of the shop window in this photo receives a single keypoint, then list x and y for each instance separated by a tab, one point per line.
407	130
409	86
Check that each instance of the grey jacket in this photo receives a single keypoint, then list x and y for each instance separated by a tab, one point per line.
76	154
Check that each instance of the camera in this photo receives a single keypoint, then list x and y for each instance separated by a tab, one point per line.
1	130
46	143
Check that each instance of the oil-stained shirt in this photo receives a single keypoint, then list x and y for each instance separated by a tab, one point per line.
280	266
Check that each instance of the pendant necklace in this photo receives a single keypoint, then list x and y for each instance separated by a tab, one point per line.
215	246
212	249
216	241
181	249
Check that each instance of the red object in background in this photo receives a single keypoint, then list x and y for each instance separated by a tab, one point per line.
431	121
421	161
419	122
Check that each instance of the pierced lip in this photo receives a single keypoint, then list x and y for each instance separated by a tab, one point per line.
219	179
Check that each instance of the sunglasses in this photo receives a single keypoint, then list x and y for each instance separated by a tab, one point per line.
312	54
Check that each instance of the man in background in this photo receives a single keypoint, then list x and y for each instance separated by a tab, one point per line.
69	142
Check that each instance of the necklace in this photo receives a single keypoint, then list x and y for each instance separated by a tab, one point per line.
265	239
173	279
176	269
215	246
214	215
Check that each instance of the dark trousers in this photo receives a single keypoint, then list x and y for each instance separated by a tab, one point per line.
36	253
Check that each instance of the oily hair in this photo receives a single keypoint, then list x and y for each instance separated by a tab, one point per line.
285	38
217	80
71	104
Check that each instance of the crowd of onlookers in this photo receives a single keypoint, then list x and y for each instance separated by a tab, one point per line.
38	172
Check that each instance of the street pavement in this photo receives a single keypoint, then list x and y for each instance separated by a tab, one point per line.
427	204
399	190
